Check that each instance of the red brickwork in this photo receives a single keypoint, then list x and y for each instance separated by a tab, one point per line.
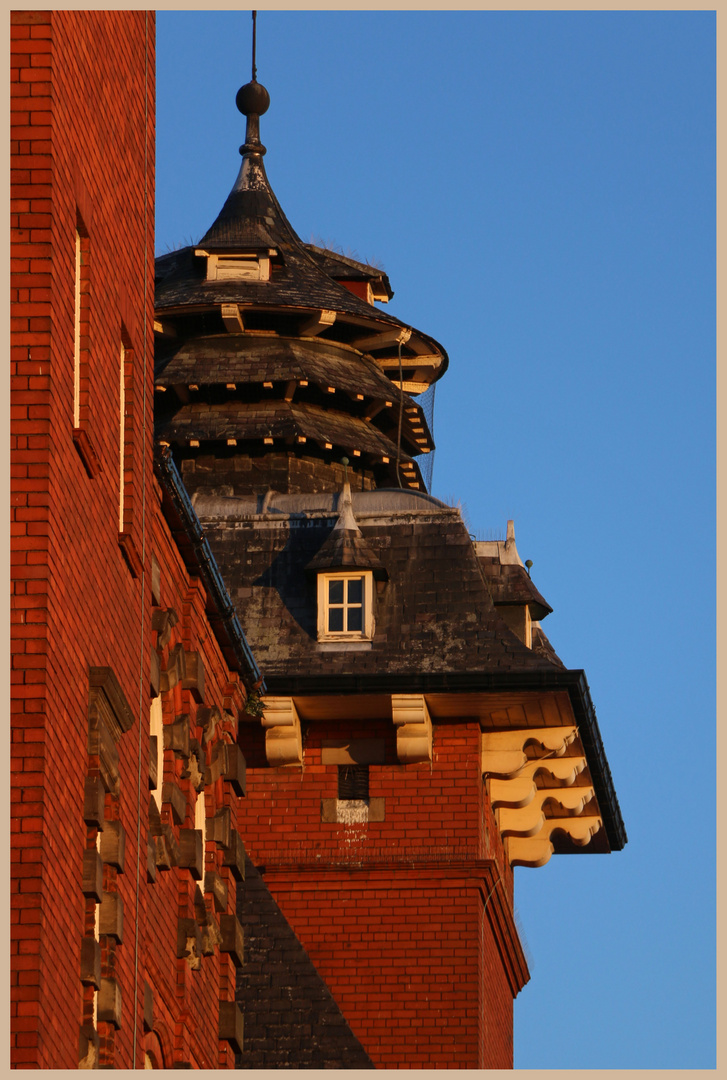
392	912
82	605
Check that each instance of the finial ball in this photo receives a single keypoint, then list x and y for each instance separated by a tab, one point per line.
252	98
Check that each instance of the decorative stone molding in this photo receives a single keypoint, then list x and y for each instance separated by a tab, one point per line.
191	852
112	845
283	743
208	718
162	622
520	790
413	728
175	670
217	888
94	797
92	879
91	962
234	856
536	850
193	679
189	943
111	916
536	789
176	736
503	752
219	827
109	1002
231	1025
175	798
233	939
109	717
88	1047
529	820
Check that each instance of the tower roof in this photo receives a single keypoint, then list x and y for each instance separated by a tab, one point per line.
301	276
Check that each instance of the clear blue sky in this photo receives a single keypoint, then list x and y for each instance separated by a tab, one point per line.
540	189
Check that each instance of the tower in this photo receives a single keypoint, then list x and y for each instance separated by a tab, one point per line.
420	736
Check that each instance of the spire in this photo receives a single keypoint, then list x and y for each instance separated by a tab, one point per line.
253	100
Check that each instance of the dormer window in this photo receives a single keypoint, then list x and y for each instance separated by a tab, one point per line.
345	606
242	266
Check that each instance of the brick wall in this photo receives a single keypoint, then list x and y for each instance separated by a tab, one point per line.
82	104
82	605
392	912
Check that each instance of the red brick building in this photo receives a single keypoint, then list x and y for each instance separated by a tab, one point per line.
129	673
245	448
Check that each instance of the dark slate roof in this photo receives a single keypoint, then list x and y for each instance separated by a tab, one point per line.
291	1018
342	267
277	419
252	218
510	583
221	358
345	547
434	614
249	358
542	647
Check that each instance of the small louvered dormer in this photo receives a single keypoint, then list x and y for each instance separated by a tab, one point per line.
238	266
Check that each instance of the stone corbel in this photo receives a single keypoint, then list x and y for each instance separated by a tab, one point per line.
413	728
518	791
536	850
529	820
283	743
523	788
503	752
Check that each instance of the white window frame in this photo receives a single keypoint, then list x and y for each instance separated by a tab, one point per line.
367	633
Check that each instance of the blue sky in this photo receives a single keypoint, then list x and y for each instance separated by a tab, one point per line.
540	189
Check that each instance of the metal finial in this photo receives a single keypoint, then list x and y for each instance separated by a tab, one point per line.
254	31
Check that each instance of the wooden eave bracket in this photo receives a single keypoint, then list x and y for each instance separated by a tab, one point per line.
232	318
382	340
534	796
283	743
413	728
318	323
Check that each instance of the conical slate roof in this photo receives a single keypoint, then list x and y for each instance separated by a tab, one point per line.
253	220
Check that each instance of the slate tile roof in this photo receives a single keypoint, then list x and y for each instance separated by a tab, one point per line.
278	419
291	1018
509	583
241	359
434	614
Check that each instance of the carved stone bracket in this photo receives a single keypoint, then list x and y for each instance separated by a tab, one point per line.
503	752
538	783
536	850
283	743
413	728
